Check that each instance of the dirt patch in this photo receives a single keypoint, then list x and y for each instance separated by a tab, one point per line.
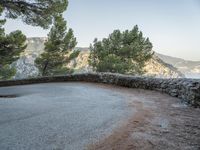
160	122
121	138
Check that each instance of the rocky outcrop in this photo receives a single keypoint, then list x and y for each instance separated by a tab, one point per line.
25	66
157	68
185	89
190	68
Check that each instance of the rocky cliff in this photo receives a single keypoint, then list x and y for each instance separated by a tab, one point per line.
191	69
26	68
25	65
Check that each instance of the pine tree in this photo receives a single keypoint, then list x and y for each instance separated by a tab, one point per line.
34	12
11	46
7	72
57	48
122	52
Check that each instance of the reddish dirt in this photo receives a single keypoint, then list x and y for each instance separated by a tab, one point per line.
158	122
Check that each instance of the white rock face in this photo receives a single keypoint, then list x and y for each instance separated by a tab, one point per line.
25	65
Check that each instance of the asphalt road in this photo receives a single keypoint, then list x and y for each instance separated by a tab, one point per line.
76	116
58	116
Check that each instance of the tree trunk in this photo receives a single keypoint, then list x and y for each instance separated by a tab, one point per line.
45	67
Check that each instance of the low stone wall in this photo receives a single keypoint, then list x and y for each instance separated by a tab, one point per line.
185	89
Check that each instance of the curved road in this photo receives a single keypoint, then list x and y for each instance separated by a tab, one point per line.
73	116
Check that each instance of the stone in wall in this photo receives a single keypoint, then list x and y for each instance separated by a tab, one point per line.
185	89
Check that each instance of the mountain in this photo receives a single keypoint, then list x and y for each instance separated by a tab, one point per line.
156	67
191	69
25	65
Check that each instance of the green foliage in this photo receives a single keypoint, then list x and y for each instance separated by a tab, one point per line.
122	52
11	45
34	12
6	72
74	54
60	42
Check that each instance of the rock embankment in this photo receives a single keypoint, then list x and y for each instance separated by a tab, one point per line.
185	89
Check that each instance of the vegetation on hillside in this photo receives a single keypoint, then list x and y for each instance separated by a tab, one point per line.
57	48
122	52
35	13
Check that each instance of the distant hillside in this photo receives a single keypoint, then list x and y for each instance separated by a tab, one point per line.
26	68
189	68
81	48
155	67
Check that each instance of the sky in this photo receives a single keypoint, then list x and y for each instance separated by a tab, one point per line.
173	26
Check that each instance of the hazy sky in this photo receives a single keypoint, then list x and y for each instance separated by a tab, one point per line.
173	26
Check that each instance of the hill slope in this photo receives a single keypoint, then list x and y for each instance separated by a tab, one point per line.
26	68
189	68
155	67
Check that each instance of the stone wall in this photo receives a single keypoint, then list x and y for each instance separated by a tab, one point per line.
185	89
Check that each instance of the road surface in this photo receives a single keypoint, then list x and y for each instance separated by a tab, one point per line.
75	116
